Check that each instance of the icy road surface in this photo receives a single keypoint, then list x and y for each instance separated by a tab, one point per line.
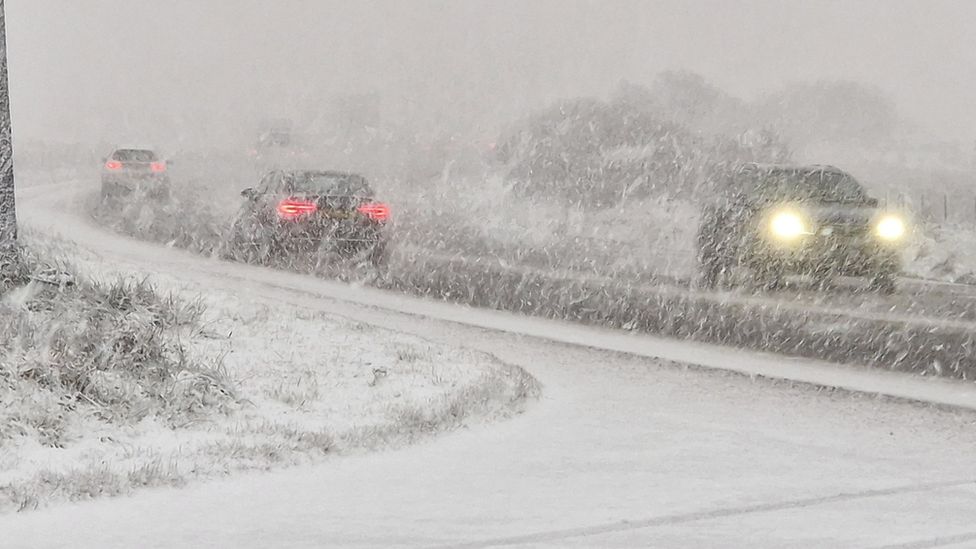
624	450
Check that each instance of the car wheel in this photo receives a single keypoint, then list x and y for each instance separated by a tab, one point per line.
710	264
240	246
767	278
823	280
883	284
162	194
379	256
108	191
228	250
258	253
709	275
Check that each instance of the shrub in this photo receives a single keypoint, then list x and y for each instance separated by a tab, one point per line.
599	154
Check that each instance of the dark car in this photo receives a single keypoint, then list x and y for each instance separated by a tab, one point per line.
129	170
301	213
772	221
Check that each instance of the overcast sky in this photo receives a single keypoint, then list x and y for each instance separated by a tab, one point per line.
125	70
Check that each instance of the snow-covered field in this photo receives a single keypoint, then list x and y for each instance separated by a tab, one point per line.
480	215
622	451
944	252
304	384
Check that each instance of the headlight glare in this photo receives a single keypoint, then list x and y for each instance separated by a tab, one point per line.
890	227
787	225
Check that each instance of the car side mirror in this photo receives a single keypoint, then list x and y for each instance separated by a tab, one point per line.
249	193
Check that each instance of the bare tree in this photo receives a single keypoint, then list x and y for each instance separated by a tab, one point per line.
8	216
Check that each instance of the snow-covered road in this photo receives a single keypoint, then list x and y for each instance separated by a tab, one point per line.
624	450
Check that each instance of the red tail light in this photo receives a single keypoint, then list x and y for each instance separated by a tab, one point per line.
158	167
292	208
375	210
113	165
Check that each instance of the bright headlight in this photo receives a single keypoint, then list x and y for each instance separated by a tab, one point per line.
890	227
787	225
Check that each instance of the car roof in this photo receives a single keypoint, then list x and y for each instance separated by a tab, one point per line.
769	167
735	184
328	173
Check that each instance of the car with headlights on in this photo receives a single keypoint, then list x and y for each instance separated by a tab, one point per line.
774	221
295	214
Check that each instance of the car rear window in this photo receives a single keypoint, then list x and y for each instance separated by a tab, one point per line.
328	184
134	155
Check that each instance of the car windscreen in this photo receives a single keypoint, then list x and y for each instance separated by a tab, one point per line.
820	185
327	184
134	155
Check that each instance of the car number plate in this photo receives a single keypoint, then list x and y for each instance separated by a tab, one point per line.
337	214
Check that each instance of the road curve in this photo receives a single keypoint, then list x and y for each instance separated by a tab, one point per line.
623	450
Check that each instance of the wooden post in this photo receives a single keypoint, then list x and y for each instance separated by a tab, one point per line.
8	215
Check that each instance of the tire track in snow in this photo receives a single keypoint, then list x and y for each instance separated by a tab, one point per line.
724	512
941	541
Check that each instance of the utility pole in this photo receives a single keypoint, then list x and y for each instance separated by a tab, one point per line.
8	215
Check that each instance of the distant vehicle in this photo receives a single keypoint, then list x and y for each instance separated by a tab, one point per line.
772	221
298	213
274	135
277	133
130	170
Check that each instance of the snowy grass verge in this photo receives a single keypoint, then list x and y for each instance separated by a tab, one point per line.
113	386
186	221
915	346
